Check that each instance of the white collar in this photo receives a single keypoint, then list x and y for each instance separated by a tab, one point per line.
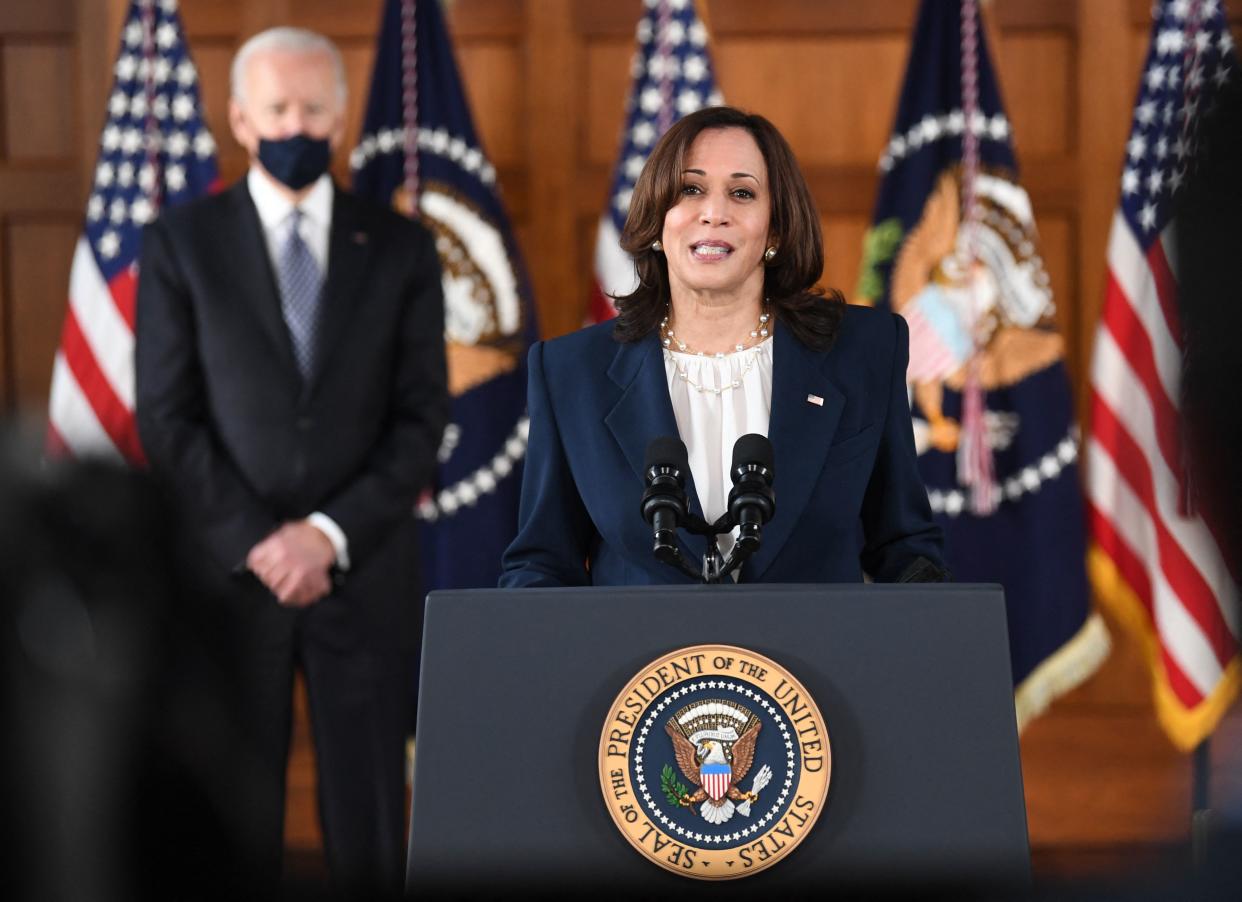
274	208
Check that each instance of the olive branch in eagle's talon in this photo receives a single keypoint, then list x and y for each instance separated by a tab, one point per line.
677	792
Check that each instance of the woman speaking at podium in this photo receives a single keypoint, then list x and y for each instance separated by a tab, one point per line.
725	336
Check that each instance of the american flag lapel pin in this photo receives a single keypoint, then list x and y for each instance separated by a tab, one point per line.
360	237
815	399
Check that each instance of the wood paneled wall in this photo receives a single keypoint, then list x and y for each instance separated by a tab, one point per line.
547	80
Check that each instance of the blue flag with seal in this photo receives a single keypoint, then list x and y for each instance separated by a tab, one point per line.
954	249
420	153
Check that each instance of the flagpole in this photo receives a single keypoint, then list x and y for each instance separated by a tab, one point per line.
409	103
665	118
1201	815
974	459
150	125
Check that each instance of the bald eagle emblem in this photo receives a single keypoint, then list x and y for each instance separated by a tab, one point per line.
714	743
1001	305
483	303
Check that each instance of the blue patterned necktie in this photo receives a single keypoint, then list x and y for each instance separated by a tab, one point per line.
301	284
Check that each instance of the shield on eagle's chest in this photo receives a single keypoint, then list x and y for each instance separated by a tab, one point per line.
716	779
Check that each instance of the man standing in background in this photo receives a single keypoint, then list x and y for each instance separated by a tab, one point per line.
291	390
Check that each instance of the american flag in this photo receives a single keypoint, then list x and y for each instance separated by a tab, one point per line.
672	73
155	150
1155	564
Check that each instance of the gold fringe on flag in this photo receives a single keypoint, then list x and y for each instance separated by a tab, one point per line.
1185	727
1064	670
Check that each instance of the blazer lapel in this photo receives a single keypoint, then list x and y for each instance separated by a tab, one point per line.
801	431
247	254
644	412
349	246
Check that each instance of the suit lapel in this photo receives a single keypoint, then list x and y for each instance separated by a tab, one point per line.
644	412
349	245
801	432
247	254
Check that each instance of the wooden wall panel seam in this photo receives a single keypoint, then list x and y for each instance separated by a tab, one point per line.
4	87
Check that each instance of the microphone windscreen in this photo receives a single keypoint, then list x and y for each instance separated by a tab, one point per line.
753	448
667	450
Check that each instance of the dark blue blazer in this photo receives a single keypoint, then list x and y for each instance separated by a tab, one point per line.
849	497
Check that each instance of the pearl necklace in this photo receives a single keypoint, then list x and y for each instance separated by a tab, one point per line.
705	390
757	335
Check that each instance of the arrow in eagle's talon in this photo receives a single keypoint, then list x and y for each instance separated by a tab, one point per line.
761	780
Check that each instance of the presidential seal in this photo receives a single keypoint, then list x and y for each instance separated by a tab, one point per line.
714	762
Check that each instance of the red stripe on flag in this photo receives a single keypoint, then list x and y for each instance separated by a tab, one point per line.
54	442
124	289
1183	577
117	420
1132	338
1166	290
1182	688
1135	574
1124	557
601	305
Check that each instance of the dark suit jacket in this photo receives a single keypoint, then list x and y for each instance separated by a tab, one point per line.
848	493
225	416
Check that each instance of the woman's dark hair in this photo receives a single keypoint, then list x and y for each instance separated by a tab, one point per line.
789	279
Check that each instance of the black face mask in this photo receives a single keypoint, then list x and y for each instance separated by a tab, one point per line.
295	161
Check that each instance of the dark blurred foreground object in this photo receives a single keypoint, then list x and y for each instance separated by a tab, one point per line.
128	776
1209	265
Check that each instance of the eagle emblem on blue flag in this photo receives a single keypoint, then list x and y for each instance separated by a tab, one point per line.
483	305
419	152
1000	303
954	249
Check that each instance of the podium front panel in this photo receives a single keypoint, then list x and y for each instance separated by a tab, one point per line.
913	683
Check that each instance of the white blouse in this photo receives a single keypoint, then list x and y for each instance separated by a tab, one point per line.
715	401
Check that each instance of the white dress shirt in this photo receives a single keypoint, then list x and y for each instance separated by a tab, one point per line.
710	423
275	215
275	210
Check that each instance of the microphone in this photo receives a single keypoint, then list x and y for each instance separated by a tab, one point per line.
664	500
751	500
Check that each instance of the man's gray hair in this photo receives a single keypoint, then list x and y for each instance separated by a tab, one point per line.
292	40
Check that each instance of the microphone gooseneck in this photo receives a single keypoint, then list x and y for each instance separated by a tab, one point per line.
663	503
664	506
752	502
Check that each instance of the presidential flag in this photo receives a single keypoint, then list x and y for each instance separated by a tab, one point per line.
672	72
155	150
1153	562
420	153
954	249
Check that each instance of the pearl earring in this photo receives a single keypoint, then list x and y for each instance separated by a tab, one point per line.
657	246
770	254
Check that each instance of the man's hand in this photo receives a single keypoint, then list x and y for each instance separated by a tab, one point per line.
293	562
